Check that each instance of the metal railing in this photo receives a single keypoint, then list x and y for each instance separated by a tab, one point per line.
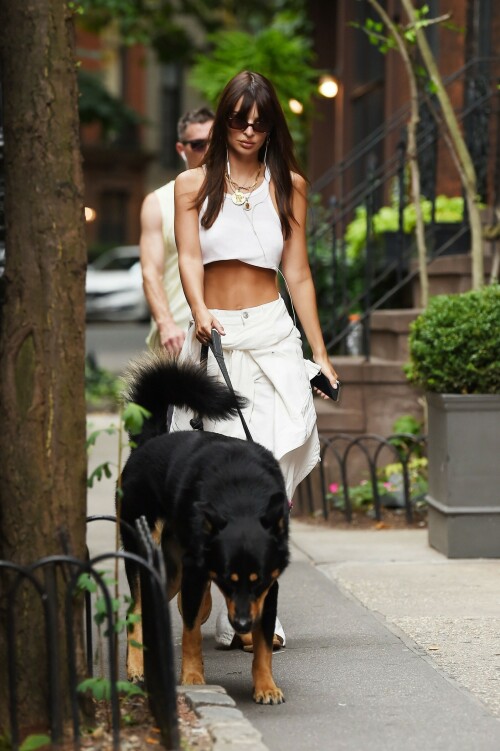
337	453
381	275
55	579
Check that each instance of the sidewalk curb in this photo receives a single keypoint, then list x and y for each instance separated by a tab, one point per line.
218	714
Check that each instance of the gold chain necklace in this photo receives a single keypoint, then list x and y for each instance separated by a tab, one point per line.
238	197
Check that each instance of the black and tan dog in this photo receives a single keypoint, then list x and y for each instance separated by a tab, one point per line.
219	506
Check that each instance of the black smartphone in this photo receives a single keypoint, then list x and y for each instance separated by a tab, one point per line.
322	383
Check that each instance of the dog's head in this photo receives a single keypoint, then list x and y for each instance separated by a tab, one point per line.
245	554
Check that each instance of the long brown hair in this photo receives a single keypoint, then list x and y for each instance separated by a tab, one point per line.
255	89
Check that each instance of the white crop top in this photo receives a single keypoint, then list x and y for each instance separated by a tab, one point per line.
253	236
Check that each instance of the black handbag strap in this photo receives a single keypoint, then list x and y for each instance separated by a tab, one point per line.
215	345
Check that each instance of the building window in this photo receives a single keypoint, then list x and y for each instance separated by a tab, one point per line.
170	112
113	208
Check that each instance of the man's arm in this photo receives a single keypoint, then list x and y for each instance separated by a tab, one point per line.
153	268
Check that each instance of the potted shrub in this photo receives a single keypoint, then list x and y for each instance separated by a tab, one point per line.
455	358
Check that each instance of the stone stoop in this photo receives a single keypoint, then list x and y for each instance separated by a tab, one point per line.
389	333
374	394
449	275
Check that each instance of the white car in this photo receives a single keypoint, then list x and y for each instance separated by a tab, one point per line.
113	287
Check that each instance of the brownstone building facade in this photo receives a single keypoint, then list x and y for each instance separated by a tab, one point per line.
373	87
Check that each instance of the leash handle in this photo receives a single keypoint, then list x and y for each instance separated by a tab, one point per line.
215	345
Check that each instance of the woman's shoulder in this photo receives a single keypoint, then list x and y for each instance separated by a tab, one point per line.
299	182
190	180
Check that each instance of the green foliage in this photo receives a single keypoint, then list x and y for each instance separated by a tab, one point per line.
389	486
33	742
96	104
161	24
278	52
455	344
448	209
101	385
133	417
407	424
154	23
100	688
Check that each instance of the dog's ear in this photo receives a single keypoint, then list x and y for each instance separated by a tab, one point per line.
275	515
213	522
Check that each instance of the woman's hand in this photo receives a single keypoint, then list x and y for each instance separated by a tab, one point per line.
328	370
204	322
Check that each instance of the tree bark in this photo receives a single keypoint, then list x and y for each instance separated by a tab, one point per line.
468	172
42	327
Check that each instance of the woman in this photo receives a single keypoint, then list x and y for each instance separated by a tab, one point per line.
239	217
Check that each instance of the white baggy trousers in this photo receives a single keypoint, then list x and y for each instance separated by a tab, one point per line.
263	355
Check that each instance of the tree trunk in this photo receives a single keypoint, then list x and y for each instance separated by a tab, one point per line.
467	171
412	151
42	328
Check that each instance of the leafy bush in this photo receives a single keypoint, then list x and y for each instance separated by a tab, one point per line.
386	219
455	344
281	52
390	488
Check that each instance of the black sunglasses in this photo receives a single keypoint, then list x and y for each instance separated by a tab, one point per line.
236	122
197	144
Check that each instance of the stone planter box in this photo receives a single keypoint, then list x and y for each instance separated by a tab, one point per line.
464	475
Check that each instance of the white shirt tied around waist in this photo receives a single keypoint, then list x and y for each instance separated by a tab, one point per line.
264	335
252	236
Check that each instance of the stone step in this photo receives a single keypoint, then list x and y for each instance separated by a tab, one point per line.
449	275
389	331
374	394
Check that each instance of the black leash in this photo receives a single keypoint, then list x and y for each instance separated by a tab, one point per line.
215	345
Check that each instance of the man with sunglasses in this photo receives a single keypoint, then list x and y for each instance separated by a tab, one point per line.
162	285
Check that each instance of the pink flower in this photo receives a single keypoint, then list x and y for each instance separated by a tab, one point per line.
387	485
334	487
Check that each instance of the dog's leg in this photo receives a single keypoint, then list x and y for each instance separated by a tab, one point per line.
196	600
135	658
265	689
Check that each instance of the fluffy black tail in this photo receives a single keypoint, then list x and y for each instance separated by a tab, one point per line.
156	381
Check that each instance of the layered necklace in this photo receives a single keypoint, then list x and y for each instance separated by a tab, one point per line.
241	194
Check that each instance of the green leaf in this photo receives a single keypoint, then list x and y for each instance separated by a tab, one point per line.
133	418
129	689
87	583
99	687
98	472
34	741
136	644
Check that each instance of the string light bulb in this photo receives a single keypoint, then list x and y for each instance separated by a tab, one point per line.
296	107
328	87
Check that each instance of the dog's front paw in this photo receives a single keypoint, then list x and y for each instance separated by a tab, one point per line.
268	695
192	678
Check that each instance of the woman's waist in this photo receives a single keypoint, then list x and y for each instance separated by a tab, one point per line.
234	285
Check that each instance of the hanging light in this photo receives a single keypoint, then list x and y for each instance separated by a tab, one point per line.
296	106
328	86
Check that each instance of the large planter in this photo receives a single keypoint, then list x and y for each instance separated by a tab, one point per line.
464	475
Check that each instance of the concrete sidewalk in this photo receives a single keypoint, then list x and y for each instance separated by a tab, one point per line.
450	609
390	645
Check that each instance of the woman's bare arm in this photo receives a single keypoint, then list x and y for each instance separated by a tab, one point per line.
297	272
187	186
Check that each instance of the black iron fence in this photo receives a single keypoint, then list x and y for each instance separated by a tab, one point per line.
366	265
331	485
57	579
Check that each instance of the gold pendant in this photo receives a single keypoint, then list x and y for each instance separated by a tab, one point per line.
238	198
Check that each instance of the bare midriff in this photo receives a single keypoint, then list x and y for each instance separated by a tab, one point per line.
233	285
